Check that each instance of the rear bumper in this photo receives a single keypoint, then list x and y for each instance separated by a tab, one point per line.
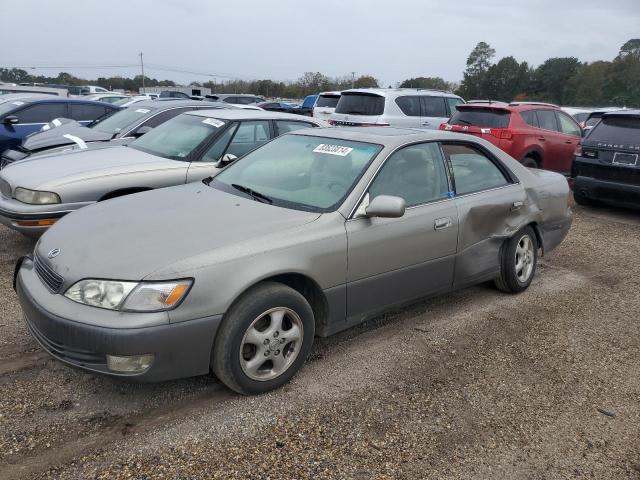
616	193
553	233
180	349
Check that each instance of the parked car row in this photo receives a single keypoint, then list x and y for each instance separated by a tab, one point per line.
281	233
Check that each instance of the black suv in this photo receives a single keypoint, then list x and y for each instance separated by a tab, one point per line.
608	168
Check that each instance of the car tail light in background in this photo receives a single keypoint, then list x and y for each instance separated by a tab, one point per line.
588	153
501	133
578	150
445	126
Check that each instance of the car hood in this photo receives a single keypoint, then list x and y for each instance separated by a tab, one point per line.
130	238
56	137
49	172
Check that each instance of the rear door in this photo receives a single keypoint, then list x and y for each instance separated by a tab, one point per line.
551	140
572	135
434	112
392	260
410	109
489	202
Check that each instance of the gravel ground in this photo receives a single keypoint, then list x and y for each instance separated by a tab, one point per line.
475	384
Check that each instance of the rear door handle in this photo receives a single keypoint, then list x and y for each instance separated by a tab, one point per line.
442	223
426	123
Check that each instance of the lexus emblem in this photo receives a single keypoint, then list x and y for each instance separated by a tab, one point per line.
53	253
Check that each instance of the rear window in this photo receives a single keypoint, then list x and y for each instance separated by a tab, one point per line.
360	104
481	117
617	130
593	119
329	101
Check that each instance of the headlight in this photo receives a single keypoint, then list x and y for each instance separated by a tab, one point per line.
129	296
34	197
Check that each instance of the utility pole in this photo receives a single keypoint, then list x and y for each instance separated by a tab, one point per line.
353	79
142	67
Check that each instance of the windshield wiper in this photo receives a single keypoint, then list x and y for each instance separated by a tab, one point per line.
255	195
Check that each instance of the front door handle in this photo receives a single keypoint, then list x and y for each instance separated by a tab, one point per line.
516	206
442	223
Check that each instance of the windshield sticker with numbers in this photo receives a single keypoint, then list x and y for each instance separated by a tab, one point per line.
333	150
213	122
142	110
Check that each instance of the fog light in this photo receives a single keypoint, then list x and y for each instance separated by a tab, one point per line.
130	364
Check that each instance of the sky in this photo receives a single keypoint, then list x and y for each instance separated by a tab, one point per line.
282	39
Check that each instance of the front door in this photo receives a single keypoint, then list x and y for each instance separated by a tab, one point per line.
392	260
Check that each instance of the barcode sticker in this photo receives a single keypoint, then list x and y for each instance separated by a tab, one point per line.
213	122
18	103
333	150
142	110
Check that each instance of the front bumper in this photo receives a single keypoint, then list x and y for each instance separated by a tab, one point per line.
180	349
33	220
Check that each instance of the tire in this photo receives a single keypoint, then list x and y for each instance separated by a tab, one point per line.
514	279
253	352
530	162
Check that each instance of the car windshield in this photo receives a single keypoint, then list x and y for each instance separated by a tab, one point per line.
9	105
481	117
360	104
328	101
177	138
300	172
617	130
121	120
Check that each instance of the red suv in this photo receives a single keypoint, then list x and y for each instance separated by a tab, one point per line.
540	135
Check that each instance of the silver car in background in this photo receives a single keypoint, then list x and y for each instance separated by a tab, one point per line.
308	235
36	192
395	107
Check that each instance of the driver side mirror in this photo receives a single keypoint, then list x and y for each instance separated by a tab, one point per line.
142	130
386	206
227	158
11	120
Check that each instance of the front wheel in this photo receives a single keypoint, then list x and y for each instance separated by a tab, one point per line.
264	339
518	263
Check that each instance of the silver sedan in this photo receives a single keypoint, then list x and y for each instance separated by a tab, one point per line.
35	193
308	235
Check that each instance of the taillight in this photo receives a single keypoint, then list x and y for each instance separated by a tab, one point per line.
506	134
578	151
443	126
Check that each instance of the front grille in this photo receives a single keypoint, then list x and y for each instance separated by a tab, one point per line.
5	188
51	279
65	352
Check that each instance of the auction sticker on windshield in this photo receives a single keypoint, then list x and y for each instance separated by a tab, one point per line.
213	122
142	110
333	150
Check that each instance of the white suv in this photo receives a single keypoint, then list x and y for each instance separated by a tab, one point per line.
396	107
325	105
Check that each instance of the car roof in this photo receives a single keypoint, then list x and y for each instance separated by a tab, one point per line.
57	99
512	107
242	114
388	136
177	102
623	113
334	93
395	92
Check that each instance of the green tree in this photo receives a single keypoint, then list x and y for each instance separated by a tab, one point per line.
551	80
588	85
365	81
478	64
622	83
435	83
506	80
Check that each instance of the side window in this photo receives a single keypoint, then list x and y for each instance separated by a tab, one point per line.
530	118
452	103
473	171
42	113
410	105
216	151
230	100
249	136
285	126
85	112
415	173
433	107
162	117
567	125
547	119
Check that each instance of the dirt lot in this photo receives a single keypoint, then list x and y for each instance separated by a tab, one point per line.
476	384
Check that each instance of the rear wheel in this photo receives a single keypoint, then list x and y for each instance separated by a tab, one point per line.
518	263
530	162
264	339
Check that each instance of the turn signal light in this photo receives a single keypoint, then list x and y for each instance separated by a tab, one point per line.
46	222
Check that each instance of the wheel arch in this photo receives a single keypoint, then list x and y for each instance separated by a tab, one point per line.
536	154
301	283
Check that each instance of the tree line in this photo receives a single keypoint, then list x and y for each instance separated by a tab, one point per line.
565	80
